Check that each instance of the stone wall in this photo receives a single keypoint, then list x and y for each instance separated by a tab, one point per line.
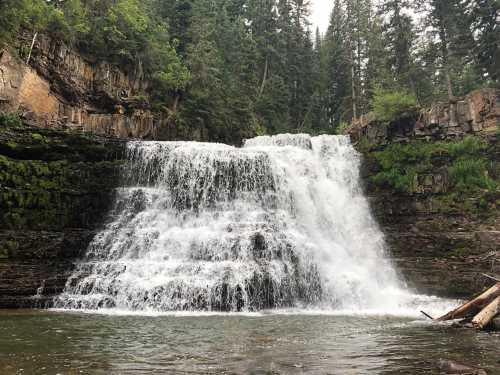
56	189
62	89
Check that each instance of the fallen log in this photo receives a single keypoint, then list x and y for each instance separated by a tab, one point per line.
487	314
451	367
474	306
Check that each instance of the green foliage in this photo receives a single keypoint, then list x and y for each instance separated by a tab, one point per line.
471	174
10	119
468	168
390	106
343	127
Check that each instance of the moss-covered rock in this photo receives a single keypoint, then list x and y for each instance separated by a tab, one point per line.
55	190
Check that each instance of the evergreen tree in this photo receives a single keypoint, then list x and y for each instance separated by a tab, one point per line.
399	34
486	25
338	67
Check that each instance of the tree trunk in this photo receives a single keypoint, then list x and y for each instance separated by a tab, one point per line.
264	78
474	306
31	48
175	105
353	88
487	314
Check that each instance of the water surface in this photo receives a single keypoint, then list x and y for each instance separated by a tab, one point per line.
42	342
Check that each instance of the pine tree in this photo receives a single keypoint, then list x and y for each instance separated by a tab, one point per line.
338	67
486	25
400	36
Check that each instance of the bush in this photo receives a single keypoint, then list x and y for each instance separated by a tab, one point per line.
467	166
389	106
10	119
468	174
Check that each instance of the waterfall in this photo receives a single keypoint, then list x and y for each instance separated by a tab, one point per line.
281	222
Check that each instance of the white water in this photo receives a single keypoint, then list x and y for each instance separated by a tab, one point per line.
281	223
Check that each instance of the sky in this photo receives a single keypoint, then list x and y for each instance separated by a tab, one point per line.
320	14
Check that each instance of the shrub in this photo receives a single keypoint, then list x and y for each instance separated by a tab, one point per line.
10	119
469	174
468	146
467	166
389	106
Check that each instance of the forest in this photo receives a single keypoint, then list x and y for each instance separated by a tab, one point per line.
256	66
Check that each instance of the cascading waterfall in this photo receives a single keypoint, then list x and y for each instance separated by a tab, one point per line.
281	222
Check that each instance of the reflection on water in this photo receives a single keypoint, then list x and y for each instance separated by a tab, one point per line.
34	342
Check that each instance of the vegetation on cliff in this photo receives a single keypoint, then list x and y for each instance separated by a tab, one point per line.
464	170
243	67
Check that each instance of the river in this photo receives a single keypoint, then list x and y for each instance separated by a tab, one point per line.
48	342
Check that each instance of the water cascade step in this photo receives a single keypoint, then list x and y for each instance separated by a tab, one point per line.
281	222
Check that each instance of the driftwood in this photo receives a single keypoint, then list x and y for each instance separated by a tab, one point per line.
487	314
474	306
450	367
491	277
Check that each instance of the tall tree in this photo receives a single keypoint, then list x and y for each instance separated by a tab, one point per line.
338	66
486	25
400	36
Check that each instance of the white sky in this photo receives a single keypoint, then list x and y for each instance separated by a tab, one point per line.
320	14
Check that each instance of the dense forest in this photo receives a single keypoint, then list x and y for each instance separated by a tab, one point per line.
254	66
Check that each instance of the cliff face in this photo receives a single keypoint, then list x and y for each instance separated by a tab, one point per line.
441	237
62	89
476	114
55	191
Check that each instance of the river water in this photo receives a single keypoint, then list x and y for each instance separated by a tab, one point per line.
45	342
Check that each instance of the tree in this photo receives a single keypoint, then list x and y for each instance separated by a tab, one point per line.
400	36
486	25
338	67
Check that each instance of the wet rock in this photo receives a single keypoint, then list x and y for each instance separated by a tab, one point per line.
451	367
53	196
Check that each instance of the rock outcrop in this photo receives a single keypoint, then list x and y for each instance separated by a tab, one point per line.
55	191
62	89
478	113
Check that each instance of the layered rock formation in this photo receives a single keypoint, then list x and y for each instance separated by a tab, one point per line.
440	240
476	114
62	89
55	191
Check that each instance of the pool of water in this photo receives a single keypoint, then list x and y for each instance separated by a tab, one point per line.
45	342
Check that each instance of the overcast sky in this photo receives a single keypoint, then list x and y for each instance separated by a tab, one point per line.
320	14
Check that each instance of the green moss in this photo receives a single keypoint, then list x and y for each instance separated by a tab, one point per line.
39	138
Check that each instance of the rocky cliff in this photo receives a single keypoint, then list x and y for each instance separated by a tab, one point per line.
434	180
55	190
60	88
